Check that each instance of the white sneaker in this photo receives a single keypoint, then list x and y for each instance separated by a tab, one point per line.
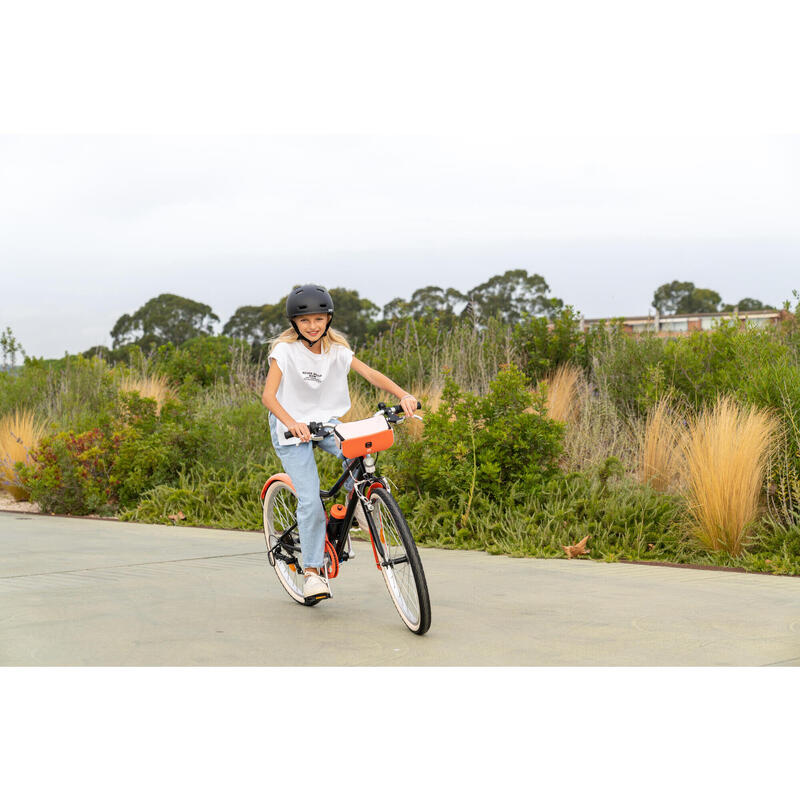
315	587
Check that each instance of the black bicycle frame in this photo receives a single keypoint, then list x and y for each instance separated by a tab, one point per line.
358	471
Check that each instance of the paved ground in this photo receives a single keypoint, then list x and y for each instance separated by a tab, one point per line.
90	592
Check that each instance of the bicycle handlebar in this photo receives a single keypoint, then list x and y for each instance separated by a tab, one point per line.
390	412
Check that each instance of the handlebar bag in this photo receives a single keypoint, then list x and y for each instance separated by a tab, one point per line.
364	436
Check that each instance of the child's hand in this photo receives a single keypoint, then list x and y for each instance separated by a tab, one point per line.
409	404
301	431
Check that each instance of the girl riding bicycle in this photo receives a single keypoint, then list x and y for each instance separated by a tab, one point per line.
307	380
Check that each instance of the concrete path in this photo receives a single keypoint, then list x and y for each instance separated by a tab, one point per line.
90	592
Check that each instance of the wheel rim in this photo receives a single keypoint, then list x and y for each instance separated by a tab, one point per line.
400	577
280	513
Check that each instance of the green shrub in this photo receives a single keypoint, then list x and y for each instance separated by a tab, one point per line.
482	443
207	497
233	435
116	462
73	391
543	345
200	361
623	519
623	366
72	473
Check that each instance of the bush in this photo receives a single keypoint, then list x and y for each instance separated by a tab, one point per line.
71	474
542	346
234	435
207	497
624	367
114	463
201	361
622	518
72	392
483	443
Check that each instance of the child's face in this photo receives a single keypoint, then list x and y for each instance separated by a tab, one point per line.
312	326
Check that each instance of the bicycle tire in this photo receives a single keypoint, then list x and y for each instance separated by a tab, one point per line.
280	513
401	564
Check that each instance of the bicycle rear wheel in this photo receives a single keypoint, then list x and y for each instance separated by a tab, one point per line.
283	539
400	563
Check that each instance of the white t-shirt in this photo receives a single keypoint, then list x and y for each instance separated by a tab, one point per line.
313	387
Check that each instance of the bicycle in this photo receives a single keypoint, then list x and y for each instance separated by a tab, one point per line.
393	546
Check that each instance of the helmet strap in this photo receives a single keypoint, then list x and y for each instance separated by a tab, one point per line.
300	336
308	341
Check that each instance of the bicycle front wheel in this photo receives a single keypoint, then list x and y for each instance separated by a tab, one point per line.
400	562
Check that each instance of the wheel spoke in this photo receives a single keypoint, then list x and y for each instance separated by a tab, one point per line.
399	575
280	517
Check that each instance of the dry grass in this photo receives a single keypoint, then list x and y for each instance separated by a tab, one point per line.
430	397
727	449
562	393
19	435
361	406
156	387
598	431
661	454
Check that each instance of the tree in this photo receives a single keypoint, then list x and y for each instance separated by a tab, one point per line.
683	297
10	347
747	304
352	315
166	318
396	309
257	324
669	297
435	303
702	301
511	296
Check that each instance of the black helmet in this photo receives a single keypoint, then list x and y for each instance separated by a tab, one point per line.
308	299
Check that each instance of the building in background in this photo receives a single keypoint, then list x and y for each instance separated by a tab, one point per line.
681	324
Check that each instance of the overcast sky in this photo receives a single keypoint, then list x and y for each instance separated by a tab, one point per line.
91	227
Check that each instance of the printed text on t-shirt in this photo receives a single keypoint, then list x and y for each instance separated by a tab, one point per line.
314	377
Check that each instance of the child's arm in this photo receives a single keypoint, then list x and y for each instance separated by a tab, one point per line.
270	400
407	401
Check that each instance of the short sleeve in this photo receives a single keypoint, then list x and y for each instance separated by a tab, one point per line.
280	356
345	357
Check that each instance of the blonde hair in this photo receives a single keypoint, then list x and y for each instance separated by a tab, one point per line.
290	335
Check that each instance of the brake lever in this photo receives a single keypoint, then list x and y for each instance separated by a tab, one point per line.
401	420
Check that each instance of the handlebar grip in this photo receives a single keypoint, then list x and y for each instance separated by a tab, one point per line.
314	428
398	409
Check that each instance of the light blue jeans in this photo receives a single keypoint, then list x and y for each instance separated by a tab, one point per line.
298	463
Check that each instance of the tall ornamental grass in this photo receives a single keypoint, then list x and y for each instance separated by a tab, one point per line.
154	387
661	457
561	391
727	452
20	433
